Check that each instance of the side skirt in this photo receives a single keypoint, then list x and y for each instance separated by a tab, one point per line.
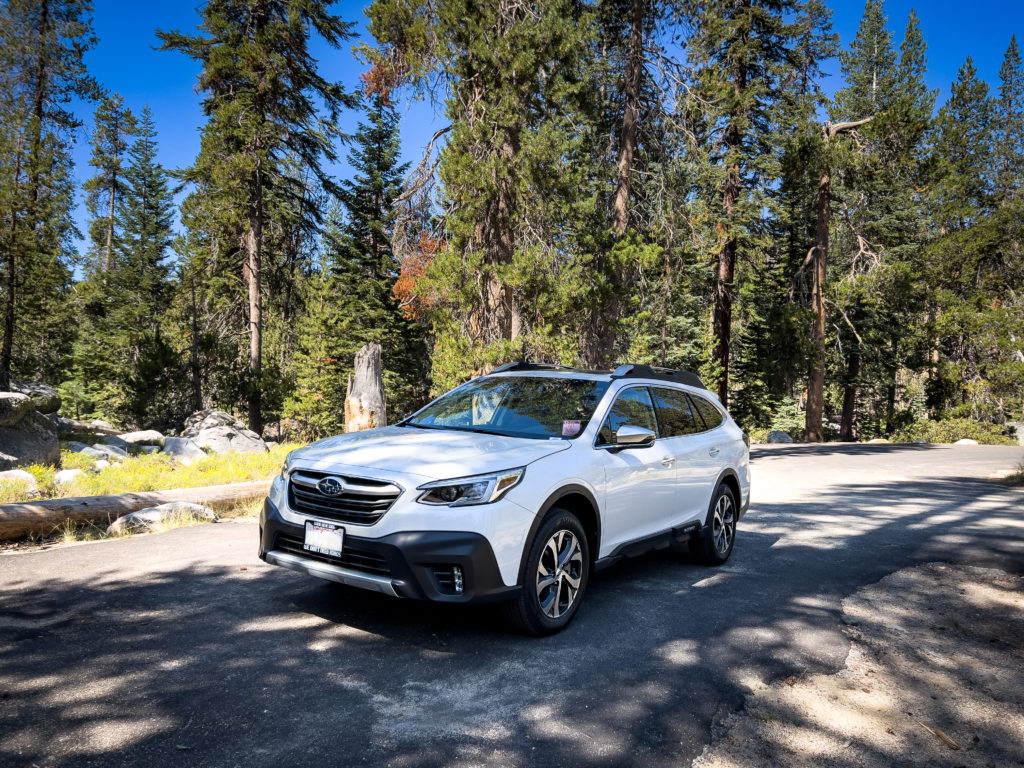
639	547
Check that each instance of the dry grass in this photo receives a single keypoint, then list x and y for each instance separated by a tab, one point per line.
240	509
1017	478
147	472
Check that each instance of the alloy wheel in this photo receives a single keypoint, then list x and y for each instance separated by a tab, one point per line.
723	524
558	573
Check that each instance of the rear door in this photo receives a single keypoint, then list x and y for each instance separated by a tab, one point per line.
639	482
709	457
685	438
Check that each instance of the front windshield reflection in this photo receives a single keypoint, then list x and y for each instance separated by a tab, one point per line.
517	406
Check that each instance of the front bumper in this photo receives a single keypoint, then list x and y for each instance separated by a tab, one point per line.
412	564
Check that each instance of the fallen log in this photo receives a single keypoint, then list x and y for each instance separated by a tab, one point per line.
46	516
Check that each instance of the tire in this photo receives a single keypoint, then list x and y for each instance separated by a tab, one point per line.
549	599
715	542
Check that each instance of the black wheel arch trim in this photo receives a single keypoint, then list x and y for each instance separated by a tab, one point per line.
550	503
731	473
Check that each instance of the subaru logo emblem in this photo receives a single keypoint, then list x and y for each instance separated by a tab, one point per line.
331	486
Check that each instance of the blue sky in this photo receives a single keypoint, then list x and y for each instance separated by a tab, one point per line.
125	62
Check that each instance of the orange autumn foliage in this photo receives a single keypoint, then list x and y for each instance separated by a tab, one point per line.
407	289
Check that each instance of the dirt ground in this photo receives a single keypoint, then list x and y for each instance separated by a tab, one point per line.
934	677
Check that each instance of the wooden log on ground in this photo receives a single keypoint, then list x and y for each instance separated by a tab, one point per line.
46	516
365	407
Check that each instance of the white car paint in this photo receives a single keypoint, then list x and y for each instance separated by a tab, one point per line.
636	494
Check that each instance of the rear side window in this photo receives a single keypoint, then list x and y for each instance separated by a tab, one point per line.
675	413
710	414
632	406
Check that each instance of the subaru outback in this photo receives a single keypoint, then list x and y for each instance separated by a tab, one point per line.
516	487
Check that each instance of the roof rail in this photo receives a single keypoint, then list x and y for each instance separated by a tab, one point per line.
637	371
524	365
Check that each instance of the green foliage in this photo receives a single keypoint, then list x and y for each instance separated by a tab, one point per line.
951	430
271	128
122	367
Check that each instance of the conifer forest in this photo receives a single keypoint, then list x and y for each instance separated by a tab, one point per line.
669	182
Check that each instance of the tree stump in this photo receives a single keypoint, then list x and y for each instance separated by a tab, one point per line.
365	407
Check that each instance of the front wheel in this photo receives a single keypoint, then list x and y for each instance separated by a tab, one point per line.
554	578
718	536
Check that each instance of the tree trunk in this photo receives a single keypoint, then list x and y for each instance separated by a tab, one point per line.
110	224
7	347
722	313
33	172
365	406
253	246
846	430
630	116
890	395
813	427
813	431
197	380
722	321
46	516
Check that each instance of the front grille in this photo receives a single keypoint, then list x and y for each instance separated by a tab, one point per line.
362	502
353	559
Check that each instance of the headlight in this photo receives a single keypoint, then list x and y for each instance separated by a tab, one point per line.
286	466
465	491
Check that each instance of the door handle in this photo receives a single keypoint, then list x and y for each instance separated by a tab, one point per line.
713	451
668	461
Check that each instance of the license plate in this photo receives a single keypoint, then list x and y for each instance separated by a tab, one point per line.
323	538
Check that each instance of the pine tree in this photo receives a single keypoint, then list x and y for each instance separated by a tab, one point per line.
741	51
868	68
145	217
145	214
518	185
1010	124
317	403
365	262
961	201
877	240
263	103
42	44
114	127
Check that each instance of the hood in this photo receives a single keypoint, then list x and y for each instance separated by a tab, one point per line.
434	454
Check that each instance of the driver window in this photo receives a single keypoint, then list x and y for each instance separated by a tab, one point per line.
632	406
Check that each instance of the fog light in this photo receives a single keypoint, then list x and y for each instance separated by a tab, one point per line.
457	574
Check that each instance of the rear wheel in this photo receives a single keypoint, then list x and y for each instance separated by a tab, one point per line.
715	542
554	578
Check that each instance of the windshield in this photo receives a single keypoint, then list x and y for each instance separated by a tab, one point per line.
517	406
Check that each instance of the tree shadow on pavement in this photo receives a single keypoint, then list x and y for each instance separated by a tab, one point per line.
215	666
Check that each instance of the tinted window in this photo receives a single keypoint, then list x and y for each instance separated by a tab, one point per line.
711	415
675	413
518	406
633	406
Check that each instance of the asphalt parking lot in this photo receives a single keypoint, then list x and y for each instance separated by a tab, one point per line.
183	648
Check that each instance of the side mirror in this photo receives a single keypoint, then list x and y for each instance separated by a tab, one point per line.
629	436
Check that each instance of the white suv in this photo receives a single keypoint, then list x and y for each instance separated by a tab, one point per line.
516	486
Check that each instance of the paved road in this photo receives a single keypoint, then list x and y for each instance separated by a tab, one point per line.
182	648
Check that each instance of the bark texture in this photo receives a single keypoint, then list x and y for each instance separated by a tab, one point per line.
630	117
45	516
813	427
365	405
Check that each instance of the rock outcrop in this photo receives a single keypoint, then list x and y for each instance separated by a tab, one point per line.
183	449
44	396
220	432
26	435
151	517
